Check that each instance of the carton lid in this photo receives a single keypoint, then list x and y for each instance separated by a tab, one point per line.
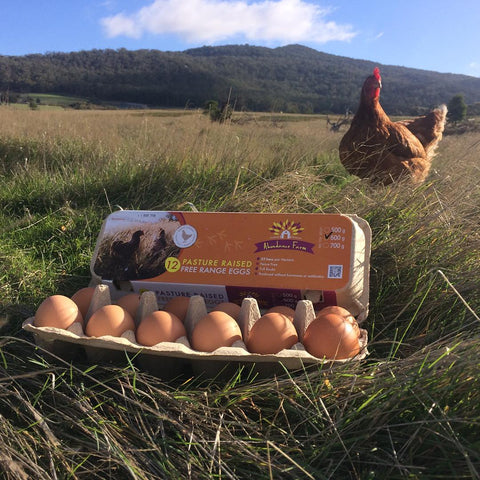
274	257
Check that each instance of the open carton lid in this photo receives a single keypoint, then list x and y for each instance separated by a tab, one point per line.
278	259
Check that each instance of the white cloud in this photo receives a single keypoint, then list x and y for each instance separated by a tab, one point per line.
210	21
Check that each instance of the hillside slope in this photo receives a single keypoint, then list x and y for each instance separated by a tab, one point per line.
291	78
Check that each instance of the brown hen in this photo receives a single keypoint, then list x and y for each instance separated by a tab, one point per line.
383	151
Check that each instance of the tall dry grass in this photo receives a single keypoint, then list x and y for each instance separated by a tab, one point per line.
409	410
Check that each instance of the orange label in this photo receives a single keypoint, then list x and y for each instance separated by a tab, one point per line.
264	250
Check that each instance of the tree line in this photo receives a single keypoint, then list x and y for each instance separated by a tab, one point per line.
291	79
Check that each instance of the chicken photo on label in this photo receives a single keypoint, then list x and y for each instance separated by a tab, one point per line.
383	151
136	248
125	252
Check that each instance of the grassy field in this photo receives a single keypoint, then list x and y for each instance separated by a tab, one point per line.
411	409
52	99
44	101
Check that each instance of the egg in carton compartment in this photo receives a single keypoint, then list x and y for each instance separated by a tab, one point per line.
170	359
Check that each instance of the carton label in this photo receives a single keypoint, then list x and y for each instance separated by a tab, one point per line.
300	251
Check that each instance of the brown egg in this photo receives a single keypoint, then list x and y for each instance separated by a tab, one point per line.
215	330
334	309
178	306
109	320
130	303
284	310
271	333
57	311
83	298
331	336
159	326
343	312
229	308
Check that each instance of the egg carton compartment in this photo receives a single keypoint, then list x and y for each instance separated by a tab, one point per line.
169	359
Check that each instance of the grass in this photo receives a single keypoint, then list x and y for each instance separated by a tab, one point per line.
411	409
52	99
45	102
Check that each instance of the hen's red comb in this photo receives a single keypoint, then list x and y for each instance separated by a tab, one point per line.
376	73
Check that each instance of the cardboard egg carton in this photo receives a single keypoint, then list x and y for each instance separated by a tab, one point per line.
169	359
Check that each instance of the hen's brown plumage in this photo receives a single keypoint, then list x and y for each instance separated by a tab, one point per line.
374	147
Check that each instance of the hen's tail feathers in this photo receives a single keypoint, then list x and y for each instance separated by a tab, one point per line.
443	110
429	128
438	127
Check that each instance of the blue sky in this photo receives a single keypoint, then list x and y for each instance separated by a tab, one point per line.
439	35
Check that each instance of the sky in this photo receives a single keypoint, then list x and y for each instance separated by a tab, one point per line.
439	35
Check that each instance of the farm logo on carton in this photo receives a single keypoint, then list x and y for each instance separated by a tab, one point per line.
285	233
286	229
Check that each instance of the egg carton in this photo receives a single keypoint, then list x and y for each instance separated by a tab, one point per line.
170	359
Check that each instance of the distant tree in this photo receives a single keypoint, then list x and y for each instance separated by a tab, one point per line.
292	107
217	113
32	104
211	109
5	97
457	108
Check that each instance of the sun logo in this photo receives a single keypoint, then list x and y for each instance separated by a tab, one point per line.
286	229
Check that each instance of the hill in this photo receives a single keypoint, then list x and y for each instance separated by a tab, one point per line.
291	78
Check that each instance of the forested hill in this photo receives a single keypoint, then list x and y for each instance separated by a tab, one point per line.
291	78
